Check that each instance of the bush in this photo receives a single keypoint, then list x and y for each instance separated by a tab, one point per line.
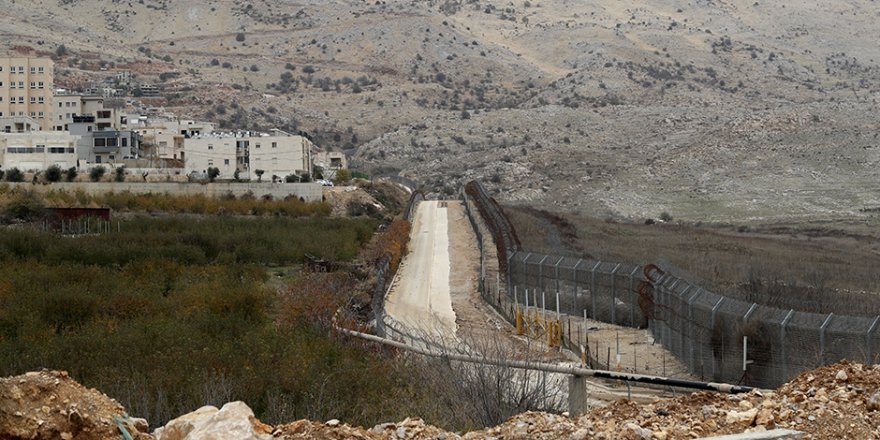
213	172
53	173
14	175
119	174
239	37
259	174
70	174
665	216
96	173
342	176
24	205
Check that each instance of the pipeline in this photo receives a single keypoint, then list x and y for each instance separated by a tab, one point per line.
553	368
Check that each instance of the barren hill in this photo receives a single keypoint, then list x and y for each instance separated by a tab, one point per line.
707	109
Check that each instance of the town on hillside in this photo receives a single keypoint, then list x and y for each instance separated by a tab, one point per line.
42	126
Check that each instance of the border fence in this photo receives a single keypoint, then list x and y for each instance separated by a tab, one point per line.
716	337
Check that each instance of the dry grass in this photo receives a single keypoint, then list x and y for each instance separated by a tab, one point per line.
810	267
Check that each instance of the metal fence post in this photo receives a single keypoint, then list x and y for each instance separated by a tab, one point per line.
822	339
556	270
541	273
525	266
712	328
782	344
690	319
574	279
869	352
632	297
614	294
593	288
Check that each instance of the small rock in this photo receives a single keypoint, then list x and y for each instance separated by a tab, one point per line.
841	375
874	402
642	433
745	404
332	422
741	416
66	436
764	417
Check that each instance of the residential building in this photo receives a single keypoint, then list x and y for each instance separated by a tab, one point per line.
65	108
18	124
104	145
331	160
38	150
26	87
276	153
165	136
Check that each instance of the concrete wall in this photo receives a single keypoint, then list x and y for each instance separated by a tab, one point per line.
310	192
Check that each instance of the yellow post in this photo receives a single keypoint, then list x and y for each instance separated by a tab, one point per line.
519	321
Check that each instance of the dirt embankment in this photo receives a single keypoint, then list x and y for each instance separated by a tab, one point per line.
837	401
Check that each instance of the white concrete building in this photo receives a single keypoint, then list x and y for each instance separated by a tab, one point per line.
38	150
277	154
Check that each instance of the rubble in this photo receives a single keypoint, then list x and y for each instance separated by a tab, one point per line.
837	401
50	405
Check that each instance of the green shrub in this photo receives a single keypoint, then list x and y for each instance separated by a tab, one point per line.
96	173
53	173
14	175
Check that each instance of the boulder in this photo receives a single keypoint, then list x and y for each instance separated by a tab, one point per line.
235	421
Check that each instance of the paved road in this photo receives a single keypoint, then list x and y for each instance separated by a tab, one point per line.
420	298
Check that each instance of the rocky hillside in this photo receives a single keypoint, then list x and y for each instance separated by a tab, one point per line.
837	401
710	110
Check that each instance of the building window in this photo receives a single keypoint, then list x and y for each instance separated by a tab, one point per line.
40	115
39	70
33	69
40	85
111	142
210	162
41	100
258	146
100	142
21	84
210	147
112	157
33	84
124	142
274	144
225	161
21	99
41	149
33	99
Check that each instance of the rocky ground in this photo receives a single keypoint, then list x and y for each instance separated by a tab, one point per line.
836	401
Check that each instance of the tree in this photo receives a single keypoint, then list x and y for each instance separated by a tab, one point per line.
61	51
235	176
120	174
291	178
1	174
53	173
14	175
70	174
96	174
213	172
239	37
259	174
342	176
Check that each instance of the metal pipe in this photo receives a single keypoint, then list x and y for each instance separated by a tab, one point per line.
553	368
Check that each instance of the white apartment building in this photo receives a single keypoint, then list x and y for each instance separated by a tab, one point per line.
165	137
26	88
38	150
276	153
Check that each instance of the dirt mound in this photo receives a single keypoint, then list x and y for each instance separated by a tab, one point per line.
351	201
51	405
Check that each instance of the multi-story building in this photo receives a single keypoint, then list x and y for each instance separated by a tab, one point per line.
38	150
164	137
276	154
26	89
104	145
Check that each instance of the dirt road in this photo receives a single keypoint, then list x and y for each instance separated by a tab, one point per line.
420	297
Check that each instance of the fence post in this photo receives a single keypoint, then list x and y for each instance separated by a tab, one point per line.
541	273
526	269
712	329
574	279
509	271
690	319
556	270
593	288
822	339
680	323
614	294
632	297
782	344
870	352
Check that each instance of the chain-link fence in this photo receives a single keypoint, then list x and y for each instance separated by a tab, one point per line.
605	291
718	338
724	339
